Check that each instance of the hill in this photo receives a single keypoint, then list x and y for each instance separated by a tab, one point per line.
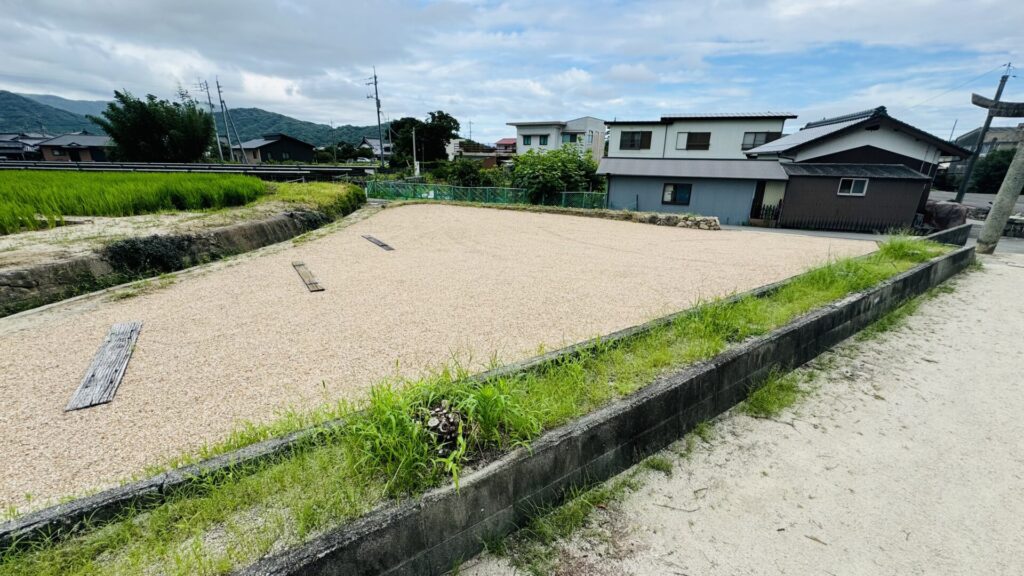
252	123
20	114
25	112
81	107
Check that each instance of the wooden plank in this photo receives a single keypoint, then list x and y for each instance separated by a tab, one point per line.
379	243
108	366
311	282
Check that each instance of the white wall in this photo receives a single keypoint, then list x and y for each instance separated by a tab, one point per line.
726	137
887	137
553	132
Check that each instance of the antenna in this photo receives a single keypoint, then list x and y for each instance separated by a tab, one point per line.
376	98
204	85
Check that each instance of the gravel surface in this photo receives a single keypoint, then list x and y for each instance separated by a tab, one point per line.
907	460
245	340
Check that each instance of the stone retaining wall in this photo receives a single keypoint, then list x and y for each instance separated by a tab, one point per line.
125	260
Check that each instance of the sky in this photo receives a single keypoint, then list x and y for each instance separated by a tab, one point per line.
492	62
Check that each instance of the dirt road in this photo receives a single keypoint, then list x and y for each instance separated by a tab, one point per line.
908	459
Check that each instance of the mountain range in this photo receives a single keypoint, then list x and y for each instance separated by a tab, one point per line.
56	115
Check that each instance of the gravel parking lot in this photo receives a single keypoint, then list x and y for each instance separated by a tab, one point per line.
245	340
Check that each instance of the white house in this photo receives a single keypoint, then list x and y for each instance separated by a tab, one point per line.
693	163
586	132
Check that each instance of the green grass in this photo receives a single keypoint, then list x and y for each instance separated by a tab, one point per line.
778	392
384	450
332	199
35	199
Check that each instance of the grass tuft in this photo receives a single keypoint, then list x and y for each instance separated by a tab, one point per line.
778	392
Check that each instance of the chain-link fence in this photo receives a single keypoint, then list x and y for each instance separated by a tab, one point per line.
421	191
576	199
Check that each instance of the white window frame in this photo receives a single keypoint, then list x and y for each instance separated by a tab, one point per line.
853	181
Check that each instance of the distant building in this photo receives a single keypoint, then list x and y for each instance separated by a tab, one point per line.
277	148
76	147
587	133
374	145
996	138
21	145
505	146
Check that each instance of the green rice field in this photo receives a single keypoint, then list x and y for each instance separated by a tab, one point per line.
34	199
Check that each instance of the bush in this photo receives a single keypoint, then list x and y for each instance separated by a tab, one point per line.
546	175
989	172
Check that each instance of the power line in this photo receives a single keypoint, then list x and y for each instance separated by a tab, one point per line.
961	85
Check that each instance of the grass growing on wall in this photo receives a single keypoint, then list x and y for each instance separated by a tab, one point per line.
386	449
32	199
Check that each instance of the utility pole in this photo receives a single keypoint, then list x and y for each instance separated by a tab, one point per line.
230	125
204	85
224	117
334	143
376	98
415	164
981	138
1012	184
471	130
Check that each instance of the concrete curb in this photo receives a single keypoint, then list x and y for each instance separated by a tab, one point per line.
956	235
431	534
68	518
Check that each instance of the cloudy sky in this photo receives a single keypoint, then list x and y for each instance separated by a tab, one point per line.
491	62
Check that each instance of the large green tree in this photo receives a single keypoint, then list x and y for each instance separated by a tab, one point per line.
153	130
545	175
989	172
432	136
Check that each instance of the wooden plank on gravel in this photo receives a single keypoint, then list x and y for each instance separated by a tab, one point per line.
379	243
311	282
107	369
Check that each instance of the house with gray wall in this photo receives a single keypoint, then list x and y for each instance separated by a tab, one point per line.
693	163
587	133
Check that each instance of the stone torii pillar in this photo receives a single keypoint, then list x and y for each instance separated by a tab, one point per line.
1011	187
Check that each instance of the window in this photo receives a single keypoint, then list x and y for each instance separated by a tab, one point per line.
678	194
56	152
570	138
542	139
526	140
590	137
693	140
636	140
284	156
755	139
853	186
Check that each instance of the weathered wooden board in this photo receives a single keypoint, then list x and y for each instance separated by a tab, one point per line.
311	282
107	369
379	243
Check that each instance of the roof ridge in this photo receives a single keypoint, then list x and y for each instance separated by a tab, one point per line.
862	115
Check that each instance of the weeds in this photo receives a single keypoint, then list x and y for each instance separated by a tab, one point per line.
778	392
386	448
658	464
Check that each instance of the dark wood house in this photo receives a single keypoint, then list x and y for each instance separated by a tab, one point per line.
277	148
861	171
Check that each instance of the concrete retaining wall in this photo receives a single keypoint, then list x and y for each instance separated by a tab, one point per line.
431	534
956	236
37	285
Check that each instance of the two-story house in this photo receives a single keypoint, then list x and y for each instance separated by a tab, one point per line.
693	163
586	132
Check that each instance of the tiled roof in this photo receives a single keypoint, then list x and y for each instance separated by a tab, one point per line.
893	171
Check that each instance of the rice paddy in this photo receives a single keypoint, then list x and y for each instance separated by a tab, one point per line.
31	200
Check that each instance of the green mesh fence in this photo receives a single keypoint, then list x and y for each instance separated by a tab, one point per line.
576	199
389	190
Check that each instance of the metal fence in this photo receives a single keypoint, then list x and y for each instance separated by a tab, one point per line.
577	199
389	190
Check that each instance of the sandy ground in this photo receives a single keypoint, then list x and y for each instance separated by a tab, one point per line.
247	340
907	460
88	234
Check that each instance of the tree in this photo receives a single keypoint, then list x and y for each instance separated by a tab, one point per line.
990	171
154	130
432	137
545	175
